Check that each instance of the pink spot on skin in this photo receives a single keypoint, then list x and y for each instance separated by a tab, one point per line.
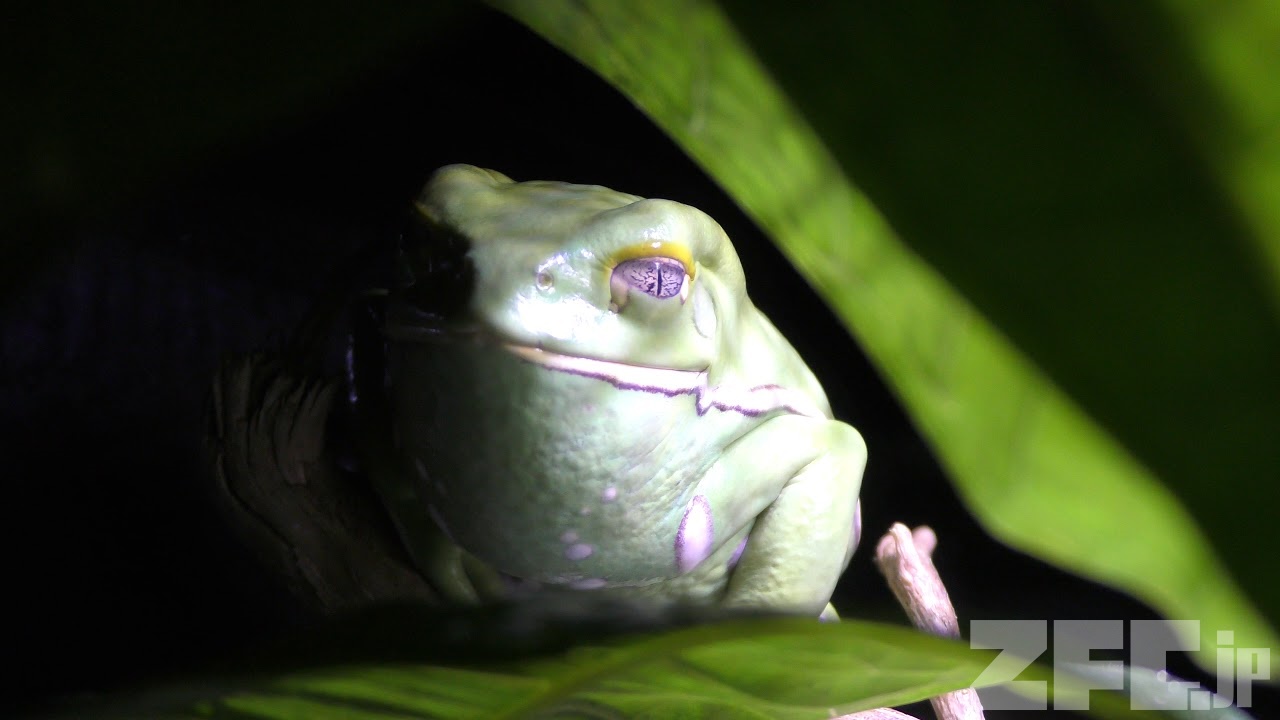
737	554
695	536
581	551
609	494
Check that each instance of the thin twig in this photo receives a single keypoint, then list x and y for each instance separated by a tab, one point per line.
904	558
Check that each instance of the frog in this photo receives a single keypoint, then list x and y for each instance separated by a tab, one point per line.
575	394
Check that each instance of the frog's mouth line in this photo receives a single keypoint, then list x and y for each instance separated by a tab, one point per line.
749	401
671	382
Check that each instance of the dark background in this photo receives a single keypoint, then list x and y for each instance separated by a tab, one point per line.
120	568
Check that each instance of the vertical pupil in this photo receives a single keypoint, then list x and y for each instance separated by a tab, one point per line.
659	277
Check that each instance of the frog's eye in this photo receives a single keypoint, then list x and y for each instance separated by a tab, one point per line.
660	277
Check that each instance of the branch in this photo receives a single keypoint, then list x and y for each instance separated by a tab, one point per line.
904	558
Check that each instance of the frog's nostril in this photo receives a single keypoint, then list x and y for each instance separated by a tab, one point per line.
437	274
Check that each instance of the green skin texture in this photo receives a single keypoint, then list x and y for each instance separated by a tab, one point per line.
572	434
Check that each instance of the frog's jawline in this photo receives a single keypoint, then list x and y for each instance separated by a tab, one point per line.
749	401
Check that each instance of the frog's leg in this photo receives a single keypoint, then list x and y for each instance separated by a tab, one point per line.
439	560
800	541
454	574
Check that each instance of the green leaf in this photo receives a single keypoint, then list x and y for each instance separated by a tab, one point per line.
587	656
774	668
1069	476
1212	67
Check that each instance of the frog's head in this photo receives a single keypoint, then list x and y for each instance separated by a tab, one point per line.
575	270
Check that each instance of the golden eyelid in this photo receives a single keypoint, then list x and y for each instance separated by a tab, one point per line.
656	248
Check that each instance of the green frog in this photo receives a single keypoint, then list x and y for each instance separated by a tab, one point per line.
577	395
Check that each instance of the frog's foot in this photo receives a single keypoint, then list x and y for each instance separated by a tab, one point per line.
802	540
456	576
312	524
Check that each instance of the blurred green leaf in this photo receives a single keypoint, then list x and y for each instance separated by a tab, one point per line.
1212	68
587	656
775	668
1097	315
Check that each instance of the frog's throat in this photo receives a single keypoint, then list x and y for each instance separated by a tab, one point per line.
750	401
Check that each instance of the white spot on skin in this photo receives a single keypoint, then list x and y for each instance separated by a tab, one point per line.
589	584
696	534
585	510
568	536
581	551
609	494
